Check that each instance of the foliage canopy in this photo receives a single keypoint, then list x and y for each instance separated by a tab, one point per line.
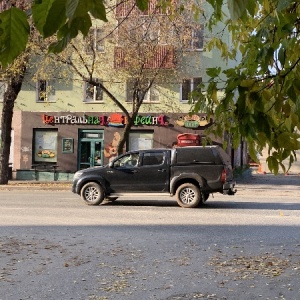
65	18
260	95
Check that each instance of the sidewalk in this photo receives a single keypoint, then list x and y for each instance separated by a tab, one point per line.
268	181
37	185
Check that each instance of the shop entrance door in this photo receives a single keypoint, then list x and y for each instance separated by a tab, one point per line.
90	149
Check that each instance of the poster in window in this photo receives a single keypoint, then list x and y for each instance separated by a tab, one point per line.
45	148
67	145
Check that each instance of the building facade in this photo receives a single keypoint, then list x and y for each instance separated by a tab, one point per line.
63	123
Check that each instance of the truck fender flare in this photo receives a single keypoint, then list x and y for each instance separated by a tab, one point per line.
185	177
101	181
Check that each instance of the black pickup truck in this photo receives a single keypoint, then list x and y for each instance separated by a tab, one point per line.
190	173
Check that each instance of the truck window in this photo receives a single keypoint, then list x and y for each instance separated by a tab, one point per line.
129	160
153	158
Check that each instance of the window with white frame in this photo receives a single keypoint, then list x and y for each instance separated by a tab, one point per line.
151	96
93	93
187	86
45	91
3	87
193	38
95	41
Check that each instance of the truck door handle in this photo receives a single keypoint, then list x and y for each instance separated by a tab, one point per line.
161	170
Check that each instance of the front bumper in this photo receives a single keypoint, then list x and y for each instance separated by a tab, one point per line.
228	188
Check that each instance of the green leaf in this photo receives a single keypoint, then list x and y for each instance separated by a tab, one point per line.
14	31
236	8
284	141
98	11
82	24
59	46
292	94
251	7
286	108
213	72
57	12
273	164
71	6
40	10
247	83
142	4
296	84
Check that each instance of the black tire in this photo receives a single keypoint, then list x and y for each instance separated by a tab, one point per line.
188	195
92	193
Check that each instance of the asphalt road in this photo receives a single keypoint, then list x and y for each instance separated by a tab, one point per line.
245	246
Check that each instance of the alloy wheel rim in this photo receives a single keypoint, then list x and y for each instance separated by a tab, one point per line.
91	194
187	195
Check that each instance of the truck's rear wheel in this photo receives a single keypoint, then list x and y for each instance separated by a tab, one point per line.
188	195
92	193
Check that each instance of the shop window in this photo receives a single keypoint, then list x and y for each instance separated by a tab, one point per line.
95	41
187	86
151	96
140	140
45	146
3	87
93	93
193	39
45	91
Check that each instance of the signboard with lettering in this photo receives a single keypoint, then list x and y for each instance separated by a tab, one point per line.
192	121
115	120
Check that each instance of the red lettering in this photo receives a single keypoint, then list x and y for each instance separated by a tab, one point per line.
161	120
47	119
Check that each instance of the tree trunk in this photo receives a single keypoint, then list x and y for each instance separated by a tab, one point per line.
10	96
124	138
125	135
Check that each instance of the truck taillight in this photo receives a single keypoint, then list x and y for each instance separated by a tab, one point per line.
223	176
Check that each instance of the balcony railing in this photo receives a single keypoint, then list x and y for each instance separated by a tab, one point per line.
163	57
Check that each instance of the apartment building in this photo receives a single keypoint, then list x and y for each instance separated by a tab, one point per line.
63	123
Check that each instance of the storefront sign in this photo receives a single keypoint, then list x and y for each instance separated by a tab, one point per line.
115	120
192	121
150	120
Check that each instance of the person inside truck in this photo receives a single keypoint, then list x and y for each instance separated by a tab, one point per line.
130	160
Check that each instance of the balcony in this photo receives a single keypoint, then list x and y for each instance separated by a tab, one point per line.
162	57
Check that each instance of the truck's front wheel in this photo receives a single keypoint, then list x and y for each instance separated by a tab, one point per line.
92	193
188	195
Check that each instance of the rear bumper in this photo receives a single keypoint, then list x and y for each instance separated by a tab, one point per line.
228	188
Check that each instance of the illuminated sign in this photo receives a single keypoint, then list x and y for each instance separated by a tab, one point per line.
114	120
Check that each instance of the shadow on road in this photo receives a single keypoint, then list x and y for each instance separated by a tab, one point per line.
208	205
